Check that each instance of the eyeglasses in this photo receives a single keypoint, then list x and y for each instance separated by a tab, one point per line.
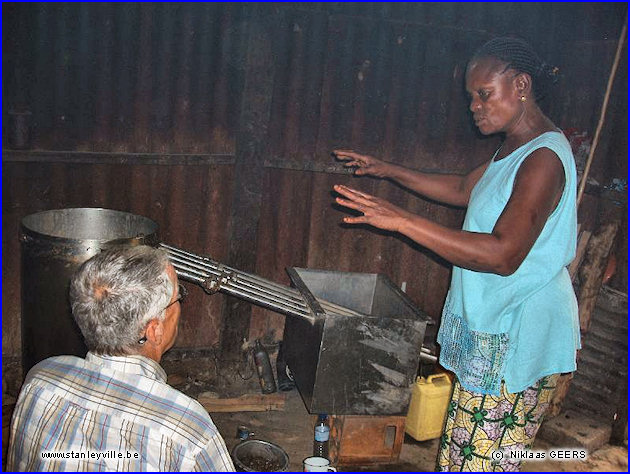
182	292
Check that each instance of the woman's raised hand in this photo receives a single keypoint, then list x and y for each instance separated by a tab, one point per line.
377	212
365	164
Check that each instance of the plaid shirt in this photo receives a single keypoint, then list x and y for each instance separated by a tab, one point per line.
106	413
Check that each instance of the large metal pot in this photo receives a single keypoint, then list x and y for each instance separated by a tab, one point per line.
54	244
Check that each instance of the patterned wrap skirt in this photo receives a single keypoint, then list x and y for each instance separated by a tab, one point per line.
479	426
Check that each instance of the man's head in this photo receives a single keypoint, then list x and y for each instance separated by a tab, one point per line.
121	299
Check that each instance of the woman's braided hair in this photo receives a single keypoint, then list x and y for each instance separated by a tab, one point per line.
518	55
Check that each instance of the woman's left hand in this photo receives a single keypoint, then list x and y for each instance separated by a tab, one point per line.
376	212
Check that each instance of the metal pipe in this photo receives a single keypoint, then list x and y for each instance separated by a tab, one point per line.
249	296
290	296
337	309
238	283
218	267
244	292
288	307
428	357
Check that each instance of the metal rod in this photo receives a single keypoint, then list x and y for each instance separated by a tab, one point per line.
238	283
310	299
259	284
428	357
216	266
249	297
337	309
253	279
245	293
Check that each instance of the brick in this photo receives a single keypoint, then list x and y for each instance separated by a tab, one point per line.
571	430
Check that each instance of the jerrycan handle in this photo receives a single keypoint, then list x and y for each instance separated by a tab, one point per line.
442	375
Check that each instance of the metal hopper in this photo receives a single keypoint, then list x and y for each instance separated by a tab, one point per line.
353	341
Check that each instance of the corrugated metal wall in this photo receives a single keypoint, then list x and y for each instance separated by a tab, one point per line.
138	107
167	77
597	388
128	77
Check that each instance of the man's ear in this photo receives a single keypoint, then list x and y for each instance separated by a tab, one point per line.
155	331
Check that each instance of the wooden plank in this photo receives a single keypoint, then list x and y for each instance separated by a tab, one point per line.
583	239
248	178
247	402
559	394
592	271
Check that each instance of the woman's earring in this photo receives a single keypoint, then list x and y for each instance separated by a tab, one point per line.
523	98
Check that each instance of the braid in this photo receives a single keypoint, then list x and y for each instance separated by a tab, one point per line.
518	55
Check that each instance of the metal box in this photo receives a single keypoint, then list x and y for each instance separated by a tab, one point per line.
364	364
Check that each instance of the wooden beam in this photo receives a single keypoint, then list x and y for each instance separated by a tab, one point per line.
559	394
583	239
249	172
248	402
592	270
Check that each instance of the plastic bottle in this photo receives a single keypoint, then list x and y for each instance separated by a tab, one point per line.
322	436
263	367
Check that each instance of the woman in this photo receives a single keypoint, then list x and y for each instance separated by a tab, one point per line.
510	322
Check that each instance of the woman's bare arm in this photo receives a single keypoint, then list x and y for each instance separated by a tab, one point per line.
537	190
451	189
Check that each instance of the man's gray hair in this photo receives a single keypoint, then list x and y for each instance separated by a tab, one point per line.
116	293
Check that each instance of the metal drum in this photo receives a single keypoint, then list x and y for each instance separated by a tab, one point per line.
54	244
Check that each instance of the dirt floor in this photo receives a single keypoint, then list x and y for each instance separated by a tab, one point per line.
292	429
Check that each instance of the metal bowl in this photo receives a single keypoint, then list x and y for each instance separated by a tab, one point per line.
256	455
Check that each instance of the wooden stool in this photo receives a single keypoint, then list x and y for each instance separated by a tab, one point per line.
361	440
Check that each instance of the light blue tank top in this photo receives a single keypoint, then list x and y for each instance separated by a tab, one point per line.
521	327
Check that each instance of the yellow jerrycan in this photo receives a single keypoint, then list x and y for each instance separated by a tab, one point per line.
427	410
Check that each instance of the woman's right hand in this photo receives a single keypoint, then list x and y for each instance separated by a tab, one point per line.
365	164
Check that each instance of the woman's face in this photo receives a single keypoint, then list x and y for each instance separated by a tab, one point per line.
494	96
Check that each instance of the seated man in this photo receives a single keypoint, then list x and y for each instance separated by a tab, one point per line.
113	410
